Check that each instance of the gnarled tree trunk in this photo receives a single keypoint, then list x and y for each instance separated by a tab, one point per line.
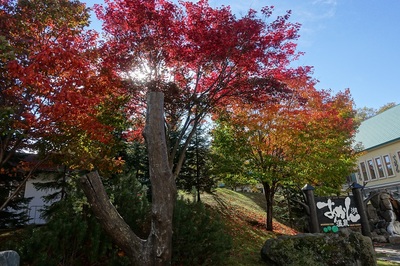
157	248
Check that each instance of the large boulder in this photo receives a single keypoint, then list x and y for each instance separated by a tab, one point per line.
385	203
342	249
9	258
383	212
372	214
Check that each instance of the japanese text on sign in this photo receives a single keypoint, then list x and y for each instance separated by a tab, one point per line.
340	211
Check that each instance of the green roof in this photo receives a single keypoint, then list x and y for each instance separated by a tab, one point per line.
380	129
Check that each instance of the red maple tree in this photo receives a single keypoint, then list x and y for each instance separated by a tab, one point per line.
55	93
198	57
52	81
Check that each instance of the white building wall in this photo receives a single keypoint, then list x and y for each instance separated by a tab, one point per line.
380	177
37	203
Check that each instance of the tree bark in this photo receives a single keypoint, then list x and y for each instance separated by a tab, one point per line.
157	248
110	220
269	197
161	178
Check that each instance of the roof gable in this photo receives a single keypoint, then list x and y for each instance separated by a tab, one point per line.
380	129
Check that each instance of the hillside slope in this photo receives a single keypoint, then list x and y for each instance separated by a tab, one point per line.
245	219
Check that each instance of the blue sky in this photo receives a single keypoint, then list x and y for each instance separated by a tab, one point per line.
351	44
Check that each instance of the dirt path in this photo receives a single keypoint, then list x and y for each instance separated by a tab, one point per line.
388	252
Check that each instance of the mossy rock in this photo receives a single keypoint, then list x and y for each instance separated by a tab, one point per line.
344	249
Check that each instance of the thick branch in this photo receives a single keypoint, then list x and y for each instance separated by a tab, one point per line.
156	250
108	216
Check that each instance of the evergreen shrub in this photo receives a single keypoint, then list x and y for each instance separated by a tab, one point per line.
73	236
199	237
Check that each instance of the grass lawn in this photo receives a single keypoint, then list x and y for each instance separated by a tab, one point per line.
387	263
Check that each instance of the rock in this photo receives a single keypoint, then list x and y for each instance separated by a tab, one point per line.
393	228
375	201
382	231
384	195
382	224
319	249
374	234
396	225
386	214
385	203
9	258
394	239
379	239
372	213
382	211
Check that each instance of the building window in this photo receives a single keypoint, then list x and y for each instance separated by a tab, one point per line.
364	171
371	169
379	166
388	165
359	177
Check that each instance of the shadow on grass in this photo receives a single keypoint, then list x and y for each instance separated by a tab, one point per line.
257	198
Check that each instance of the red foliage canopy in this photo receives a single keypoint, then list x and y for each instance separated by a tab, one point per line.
207	52
52	81
201	57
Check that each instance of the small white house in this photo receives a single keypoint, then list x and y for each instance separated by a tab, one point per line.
37	204
45	172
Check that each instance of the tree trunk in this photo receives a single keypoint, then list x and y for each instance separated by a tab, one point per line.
162	179
269	197
157	248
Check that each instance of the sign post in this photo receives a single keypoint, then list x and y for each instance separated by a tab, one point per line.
309	192
329	214
357	192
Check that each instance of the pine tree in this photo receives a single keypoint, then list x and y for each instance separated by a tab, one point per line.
12	180
195	172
